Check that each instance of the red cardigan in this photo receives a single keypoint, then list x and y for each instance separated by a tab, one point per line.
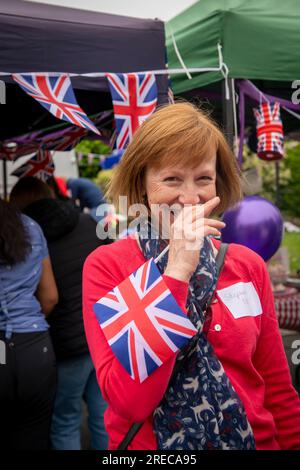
250	349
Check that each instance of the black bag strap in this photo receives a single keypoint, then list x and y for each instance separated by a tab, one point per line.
134	429
220	259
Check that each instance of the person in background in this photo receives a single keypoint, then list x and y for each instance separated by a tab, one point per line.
59	187
28	294
28	190
88	194
71	236
62	185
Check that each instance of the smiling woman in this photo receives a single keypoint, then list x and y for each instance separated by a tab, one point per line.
177	137
202	395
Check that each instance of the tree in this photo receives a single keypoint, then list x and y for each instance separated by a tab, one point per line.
86	168
291	189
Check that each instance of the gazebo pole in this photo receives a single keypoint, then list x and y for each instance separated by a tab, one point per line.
4	177
277	185
227	111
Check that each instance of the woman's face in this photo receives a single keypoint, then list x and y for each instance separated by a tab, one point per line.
180	185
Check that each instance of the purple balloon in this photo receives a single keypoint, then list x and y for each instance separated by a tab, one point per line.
256	223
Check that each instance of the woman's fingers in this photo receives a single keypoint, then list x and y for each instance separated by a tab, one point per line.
192	235
191	224
210	205
211	231
198	231
204	210
214	223
200	224
197	211
209	222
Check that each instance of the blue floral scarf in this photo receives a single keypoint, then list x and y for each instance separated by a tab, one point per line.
200	410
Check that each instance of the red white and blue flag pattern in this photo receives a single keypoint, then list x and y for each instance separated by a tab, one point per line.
62	140
40	166
142	321
13	149
134	97
269	131
66	140
55	93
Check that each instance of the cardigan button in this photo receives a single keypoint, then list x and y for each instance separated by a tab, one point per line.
218	327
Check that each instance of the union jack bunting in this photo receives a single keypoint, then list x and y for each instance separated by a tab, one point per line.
142	321
68	138
55	93
11	150
134	97
8	152
269	131
65	140
40	165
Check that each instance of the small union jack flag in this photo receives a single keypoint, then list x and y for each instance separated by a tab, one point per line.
134	97
40	166
142	321
55	93
269	131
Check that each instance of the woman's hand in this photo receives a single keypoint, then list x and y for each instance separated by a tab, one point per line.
188	230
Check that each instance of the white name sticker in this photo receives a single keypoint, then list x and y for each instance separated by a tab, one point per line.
241	299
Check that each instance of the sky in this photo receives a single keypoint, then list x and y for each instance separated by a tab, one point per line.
162	9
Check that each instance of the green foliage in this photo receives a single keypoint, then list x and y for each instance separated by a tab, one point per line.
90	169
93	146
292	242
291	188
289	177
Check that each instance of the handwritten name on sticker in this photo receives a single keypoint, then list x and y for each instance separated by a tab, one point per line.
241	299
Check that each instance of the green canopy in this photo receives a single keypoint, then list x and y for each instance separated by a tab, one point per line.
260	40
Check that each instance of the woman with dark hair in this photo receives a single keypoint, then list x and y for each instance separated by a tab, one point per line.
71	237
28	190
27	294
